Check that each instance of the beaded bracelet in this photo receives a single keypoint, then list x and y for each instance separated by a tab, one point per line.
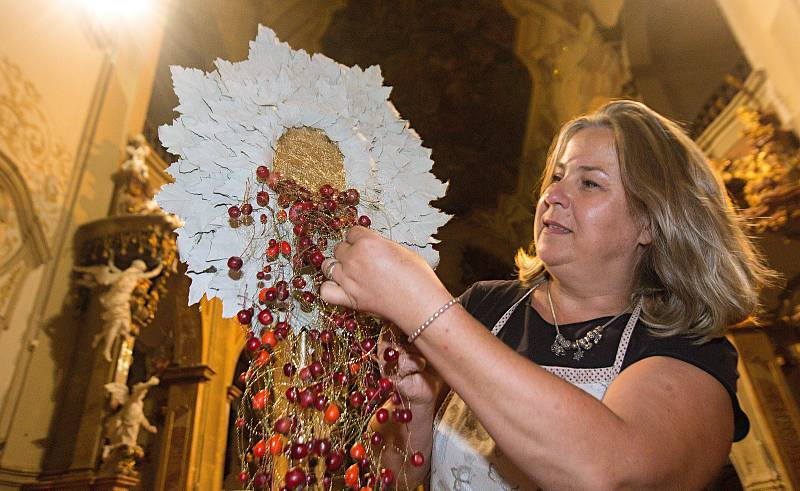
414	335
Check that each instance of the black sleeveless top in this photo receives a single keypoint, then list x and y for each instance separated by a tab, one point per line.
530	335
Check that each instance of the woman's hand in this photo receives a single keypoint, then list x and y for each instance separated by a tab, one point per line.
416	382
376	275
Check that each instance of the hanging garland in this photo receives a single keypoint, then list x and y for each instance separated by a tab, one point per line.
278	156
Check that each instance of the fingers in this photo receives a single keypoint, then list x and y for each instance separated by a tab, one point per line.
355	233
410	363
329	269
340	250
332	292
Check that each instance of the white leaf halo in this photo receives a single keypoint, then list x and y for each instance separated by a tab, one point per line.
231	121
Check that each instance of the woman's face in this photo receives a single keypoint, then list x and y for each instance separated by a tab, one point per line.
583	219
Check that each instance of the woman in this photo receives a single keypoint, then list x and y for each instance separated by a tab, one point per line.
603	365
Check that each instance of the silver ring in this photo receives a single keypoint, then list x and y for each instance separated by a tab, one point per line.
328	271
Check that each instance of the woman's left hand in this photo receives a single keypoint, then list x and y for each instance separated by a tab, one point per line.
376	275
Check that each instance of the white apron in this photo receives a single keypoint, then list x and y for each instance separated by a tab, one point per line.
465	457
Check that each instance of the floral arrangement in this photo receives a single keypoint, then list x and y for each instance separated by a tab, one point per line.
278	156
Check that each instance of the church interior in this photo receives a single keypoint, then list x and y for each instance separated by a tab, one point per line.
85	85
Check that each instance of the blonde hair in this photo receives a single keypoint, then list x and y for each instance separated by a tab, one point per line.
701	273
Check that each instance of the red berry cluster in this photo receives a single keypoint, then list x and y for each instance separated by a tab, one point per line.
327	401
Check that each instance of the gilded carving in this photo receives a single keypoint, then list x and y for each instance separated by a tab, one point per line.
26	136
8	281
10	236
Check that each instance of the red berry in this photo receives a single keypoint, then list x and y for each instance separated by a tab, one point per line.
326	336
352	197
356	399
326	190
364	221
321	403
376	439
291	394
265	317
253	344
295	478
323	446
298	282
382	415
387	477
286	249
235	263
244	476
247	209
317	257
289	369
391	355
385	384
260	275
316	369
282	288
308	297
284	425
417	459
244	316
262	198
334	461
403	416
261	480
262	173
298	450
367	345
307	398
234	212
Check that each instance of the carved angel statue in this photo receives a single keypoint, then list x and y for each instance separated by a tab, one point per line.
116	315
122	428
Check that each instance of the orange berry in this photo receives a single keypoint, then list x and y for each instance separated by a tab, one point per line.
351	476
259	449
268	338
332	413
357	451
260	399
275	444
262	359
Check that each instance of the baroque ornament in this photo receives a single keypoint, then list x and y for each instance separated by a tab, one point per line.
278	156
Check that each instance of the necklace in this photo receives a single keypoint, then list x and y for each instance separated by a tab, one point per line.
591	338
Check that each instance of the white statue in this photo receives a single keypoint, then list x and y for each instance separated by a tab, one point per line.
122	428
116	315
135	193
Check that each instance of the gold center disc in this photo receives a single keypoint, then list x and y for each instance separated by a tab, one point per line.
309	157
